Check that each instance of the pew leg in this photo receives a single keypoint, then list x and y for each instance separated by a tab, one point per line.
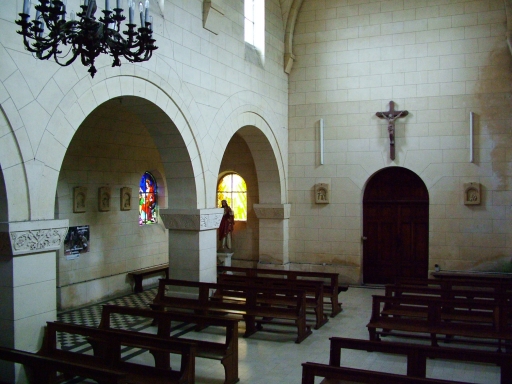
373	334
155	307
335	306
433	339
230	364
162	359
138	284
303	330
250	325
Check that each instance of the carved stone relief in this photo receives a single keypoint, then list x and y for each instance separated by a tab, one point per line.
37	240
104	197
191	222
472	193
126	199
322	193
79	198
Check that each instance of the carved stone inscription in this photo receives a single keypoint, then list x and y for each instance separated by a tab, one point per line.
37	240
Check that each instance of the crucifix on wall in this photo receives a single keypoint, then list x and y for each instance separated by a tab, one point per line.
391	116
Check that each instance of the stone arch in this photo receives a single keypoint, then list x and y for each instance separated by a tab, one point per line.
289	58
87	95
248	114
13	172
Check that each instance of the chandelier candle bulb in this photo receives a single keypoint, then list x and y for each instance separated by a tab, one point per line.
26	7
147	11
107	5
141	10
131	11
118	4
64	3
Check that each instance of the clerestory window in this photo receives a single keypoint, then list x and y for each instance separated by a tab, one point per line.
254	25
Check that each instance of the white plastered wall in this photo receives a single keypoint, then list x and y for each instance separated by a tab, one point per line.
200	81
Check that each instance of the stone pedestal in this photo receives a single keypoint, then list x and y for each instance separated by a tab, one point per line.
192	243
224	259
273	223
28	296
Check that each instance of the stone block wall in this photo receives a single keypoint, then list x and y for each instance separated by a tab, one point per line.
438	60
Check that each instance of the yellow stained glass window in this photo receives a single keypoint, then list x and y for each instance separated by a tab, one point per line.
233	189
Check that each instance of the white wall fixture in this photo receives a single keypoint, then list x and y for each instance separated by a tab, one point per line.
321	141
471	119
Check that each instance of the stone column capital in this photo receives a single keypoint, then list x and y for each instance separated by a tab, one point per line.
26	237
192	219
272	211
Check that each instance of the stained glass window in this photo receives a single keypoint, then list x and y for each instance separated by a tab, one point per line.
233	189
147	199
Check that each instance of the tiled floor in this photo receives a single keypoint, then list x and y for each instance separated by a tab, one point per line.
273	357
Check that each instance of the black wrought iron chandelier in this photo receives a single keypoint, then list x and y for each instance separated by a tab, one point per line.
51	35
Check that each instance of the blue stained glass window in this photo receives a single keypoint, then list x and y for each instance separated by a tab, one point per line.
147	199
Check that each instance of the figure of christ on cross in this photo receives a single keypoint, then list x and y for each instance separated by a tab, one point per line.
391	116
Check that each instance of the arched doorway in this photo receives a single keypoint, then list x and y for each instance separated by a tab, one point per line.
395	226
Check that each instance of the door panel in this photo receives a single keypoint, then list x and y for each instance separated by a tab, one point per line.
396	231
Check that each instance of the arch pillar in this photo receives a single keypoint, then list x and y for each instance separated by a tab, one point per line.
192	242
274	234
28	278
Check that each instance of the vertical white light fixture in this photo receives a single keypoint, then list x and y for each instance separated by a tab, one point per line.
471	115
321	141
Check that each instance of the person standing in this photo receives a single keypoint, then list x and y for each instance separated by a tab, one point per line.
226	225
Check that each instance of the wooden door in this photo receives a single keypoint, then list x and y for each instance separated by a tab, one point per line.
395	226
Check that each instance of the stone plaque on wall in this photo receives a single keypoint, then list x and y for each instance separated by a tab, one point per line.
322	193
79	197
472	193
104	196
126	199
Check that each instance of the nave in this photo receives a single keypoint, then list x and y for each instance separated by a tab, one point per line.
273	357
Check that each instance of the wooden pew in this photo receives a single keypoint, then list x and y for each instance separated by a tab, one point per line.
452	288
42	369
417	355
341	375
482	320
139	274
202	302
332	288
226	352
107	353
446	289
313	289
474	275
